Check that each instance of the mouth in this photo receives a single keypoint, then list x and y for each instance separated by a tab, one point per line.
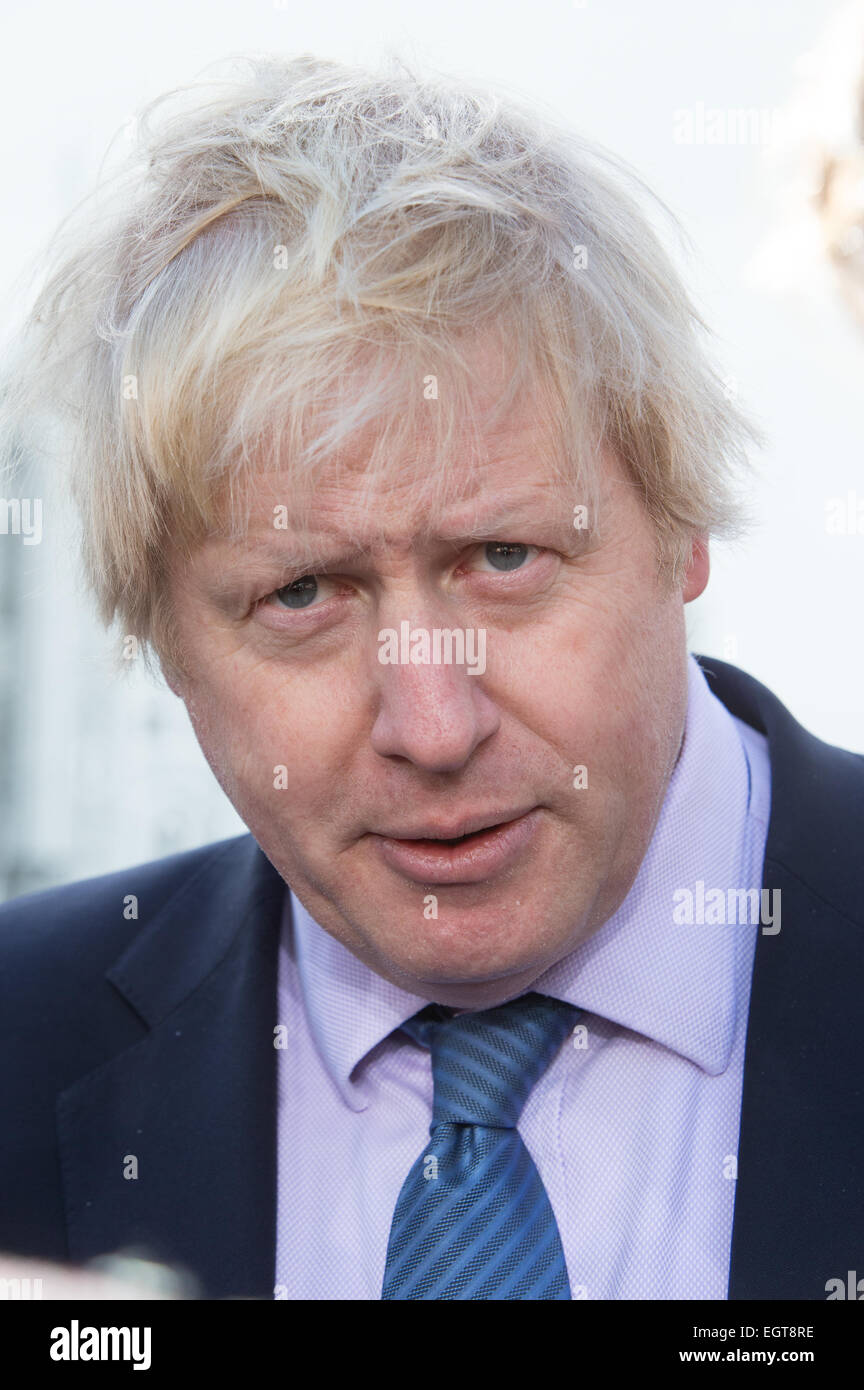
470	836
456	831
468	855
456	839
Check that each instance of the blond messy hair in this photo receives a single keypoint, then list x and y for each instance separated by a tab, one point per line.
273	231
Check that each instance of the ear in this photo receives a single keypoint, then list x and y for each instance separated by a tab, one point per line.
697	570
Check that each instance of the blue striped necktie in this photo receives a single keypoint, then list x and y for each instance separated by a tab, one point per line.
473	1219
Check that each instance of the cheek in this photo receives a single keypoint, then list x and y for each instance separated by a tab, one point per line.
608	684
647	681
255	722
580	676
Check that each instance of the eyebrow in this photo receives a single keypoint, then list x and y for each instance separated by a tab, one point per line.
283	560
288	554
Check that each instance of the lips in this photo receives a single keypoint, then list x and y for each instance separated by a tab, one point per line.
469	853
457	829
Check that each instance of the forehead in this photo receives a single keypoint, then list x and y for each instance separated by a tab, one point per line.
404	503
493	443
517	470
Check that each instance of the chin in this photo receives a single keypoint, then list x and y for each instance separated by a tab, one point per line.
462	955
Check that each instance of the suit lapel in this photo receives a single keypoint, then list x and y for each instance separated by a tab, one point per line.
798	1213
189	1111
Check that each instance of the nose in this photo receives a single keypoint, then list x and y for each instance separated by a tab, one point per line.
434	714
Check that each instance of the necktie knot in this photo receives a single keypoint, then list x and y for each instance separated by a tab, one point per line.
485	1063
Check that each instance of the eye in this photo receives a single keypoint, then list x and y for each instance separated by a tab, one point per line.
300	593
506	555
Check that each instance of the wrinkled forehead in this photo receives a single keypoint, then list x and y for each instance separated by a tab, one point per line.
405	439
498	466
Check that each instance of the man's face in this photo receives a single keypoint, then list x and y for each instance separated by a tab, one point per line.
585	667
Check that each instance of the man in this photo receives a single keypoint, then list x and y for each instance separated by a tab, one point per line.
538	974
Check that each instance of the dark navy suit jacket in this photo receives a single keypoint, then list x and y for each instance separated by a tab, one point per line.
154	1038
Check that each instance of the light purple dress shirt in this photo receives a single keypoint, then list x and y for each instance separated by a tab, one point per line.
634	1125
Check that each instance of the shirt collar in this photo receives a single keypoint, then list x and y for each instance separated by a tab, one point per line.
349	1008
678	985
